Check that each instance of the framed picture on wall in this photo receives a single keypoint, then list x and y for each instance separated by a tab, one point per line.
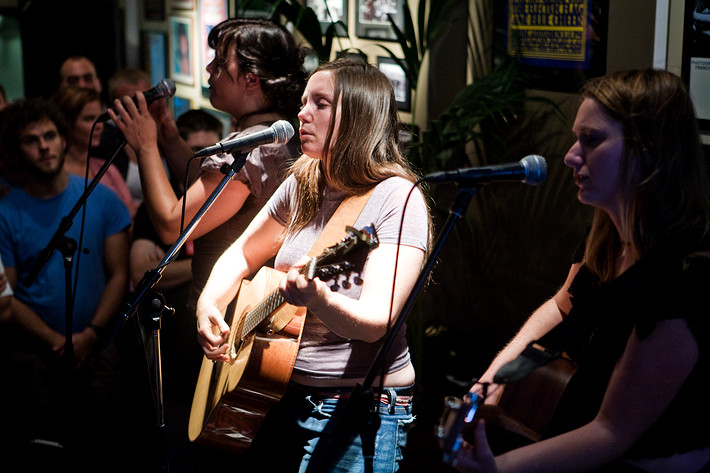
183	4
696	58
253	8
181	53
155	55
396	75
372	20
211	13
329	12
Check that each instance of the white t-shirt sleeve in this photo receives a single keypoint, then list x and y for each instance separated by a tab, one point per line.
8	290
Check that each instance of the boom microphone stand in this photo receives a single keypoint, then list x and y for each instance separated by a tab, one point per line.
68	248
530	170
157	302
360	415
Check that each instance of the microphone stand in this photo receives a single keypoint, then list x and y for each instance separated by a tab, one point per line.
359	409
68	247
152	277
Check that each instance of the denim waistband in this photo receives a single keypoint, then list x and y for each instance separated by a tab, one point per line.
389	400
392	395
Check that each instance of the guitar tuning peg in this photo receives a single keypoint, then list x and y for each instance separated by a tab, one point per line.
334	287
357	280
346	284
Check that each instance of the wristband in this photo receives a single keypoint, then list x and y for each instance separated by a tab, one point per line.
96	328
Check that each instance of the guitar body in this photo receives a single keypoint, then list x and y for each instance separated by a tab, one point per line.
533	400
520	417
231	399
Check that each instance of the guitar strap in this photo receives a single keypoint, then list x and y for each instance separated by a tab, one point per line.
347	212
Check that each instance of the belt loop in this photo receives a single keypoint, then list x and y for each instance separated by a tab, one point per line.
392	397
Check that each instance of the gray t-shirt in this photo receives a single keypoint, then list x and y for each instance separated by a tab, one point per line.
263	171
322	353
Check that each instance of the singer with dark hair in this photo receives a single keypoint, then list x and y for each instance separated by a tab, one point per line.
348	128
257	77
631	314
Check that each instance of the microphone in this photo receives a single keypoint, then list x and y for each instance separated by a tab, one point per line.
163	90
279	132
531	170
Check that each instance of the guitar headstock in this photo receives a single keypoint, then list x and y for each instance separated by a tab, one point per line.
345	258
458	413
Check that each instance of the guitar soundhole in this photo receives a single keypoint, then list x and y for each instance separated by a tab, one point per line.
236	346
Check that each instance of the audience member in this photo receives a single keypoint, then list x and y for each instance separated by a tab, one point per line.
631	313
5	296
3	98
8	172
81	108
62	398
79	71
124	83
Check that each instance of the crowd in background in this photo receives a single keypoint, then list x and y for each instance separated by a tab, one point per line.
106	401
82	383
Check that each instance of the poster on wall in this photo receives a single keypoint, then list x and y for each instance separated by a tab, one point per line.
560	43
696	57
211	13
554	33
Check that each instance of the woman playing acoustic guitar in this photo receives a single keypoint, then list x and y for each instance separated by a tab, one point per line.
633	312
349	134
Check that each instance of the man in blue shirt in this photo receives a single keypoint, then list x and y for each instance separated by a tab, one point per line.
33	135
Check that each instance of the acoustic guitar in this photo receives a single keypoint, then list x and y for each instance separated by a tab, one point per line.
231	399
521	416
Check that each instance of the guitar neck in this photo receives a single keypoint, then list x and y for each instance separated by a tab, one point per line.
262	311
270	303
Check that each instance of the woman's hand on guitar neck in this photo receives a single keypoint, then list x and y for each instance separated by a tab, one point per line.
489	391
212	332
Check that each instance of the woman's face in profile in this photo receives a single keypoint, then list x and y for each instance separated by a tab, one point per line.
316	113
597	158
226	85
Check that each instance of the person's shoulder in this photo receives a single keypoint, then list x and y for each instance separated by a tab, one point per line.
397	186
13	198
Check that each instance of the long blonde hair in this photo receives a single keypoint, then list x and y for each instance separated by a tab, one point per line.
365	151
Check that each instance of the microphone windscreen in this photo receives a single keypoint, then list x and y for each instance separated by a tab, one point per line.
535	169
167	88
283	131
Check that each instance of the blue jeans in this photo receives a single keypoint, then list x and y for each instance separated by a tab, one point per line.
311	431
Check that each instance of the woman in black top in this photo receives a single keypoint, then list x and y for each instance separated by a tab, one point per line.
632	313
